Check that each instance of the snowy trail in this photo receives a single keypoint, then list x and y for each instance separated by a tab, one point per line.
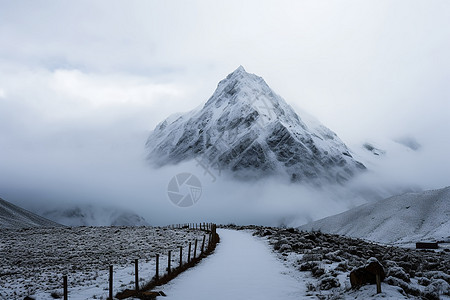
242	267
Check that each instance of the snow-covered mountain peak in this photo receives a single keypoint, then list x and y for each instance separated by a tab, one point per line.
239	85
239	71
248	129
240	74
245	94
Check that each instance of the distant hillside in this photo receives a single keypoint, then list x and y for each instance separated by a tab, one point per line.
400	219
94	215
12	216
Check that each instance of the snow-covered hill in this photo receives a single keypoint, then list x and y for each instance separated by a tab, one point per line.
402	219
94	215
247	130
12	216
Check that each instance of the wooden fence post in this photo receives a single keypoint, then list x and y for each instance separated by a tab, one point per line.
168	262
181	256
195	249
378	283
136	274
157	267
110	282
189	253
65	287
203	243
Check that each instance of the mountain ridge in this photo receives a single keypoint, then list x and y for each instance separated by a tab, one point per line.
13	216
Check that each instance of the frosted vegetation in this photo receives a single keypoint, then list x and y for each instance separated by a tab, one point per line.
330	258
34	260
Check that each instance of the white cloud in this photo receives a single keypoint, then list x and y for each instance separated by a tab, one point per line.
104	90
82	79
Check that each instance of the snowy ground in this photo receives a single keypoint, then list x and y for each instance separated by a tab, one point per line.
33	261
248	263
244	267
329	259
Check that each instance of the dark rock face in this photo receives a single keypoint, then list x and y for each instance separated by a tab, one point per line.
249	131
375	151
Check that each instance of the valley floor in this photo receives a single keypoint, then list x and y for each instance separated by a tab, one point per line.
33	261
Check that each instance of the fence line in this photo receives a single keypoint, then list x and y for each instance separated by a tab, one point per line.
210	229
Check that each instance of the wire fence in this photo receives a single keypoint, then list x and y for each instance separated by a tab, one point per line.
196	251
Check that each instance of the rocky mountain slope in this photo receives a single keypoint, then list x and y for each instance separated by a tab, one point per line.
12	216
403	219
247	130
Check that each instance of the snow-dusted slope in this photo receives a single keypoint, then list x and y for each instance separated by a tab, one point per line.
248	130
90	215
12	216
400	219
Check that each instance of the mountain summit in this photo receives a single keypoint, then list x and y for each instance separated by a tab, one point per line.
247	130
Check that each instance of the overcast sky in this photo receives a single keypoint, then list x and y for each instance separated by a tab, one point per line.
82	83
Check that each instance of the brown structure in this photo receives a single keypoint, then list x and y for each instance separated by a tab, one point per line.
427	245
371	273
